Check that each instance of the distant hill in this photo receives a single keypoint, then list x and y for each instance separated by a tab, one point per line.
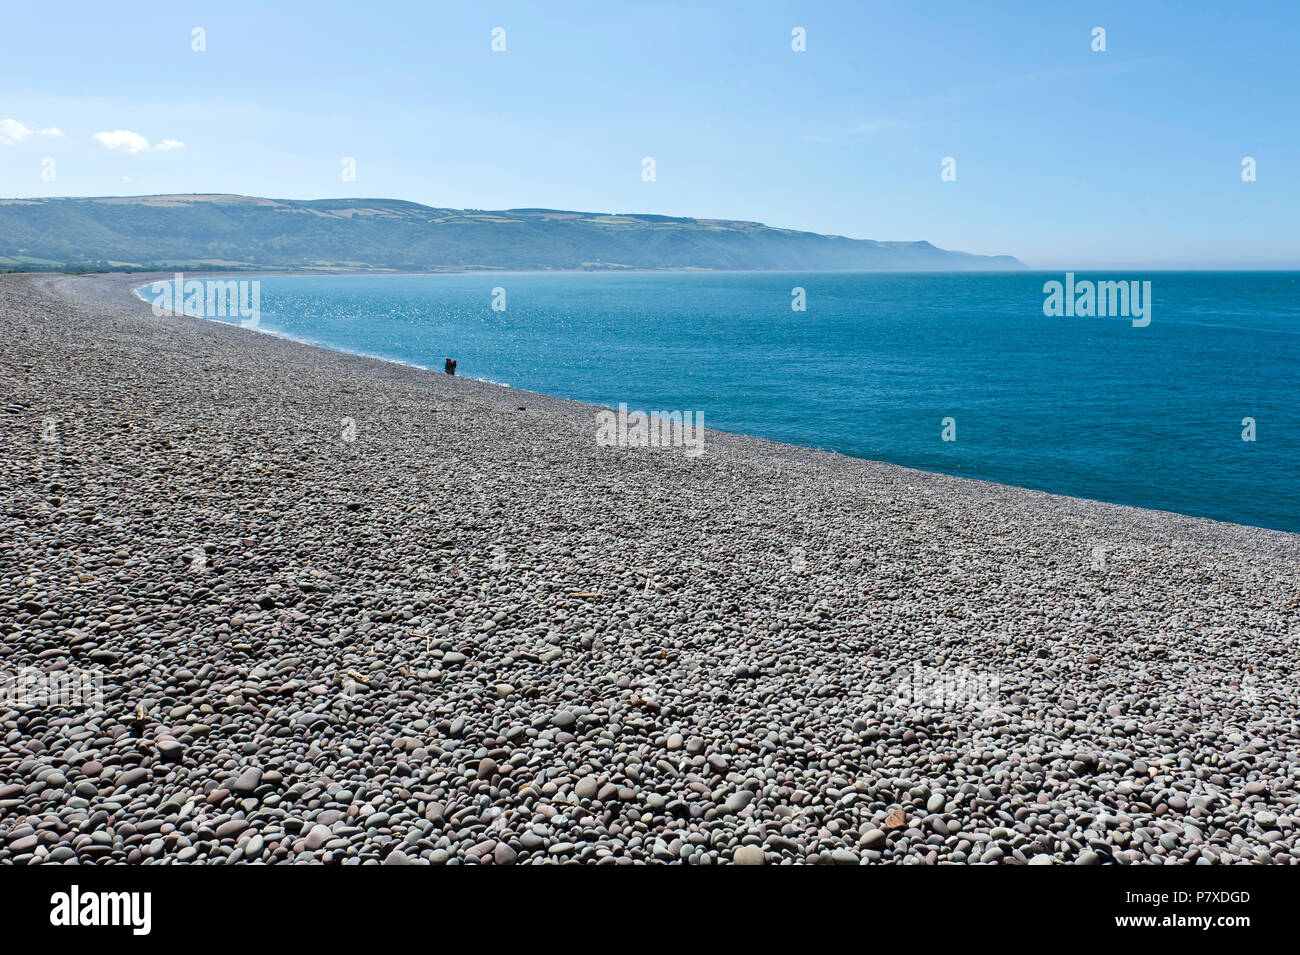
218	232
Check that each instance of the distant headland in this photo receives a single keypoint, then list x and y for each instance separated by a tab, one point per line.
201	232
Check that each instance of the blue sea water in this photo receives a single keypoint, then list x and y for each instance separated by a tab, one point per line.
1090	407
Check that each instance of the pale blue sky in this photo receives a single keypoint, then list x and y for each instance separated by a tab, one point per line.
1066	158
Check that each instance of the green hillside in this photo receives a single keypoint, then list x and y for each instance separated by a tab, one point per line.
225	233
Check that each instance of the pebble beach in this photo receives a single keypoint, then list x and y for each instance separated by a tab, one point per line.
335	610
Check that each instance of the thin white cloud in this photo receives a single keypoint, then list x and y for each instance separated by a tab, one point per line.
123	140
11	131
884	125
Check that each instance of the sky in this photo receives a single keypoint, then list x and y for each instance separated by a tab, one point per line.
1064	156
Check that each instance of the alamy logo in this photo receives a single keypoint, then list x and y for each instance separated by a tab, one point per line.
940	690
658	429
214	298
76	908
1087	299
31	687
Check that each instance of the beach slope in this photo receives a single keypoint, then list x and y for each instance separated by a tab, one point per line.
316	607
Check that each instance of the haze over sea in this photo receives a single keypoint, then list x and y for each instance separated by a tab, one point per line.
1089	407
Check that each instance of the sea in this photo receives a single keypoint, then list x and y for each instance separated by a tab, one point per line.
1193	407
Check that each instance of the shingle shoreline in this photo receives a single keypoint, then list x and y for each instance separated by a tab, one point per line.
346	610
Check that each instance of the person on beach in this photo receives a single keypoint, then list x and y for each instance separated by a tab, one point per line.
450	366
